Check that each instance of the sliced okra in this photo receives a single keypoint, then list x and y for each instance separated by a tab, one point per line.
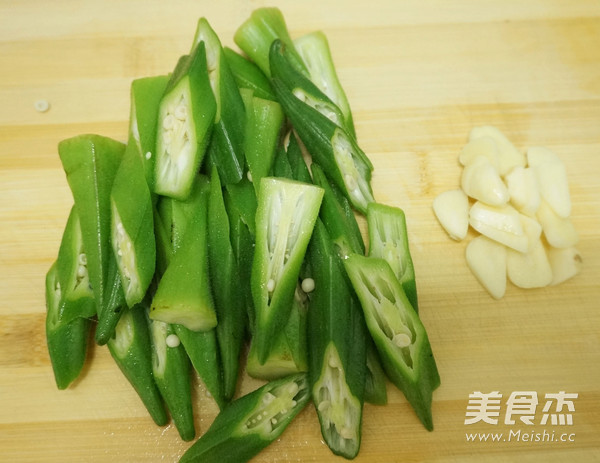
337	348
224	278
90	163
113	305
230	113
297	162
186	117
281	165
243	199
183	295
314	50
132	228
398	333
388	239
329	143
67	341
146	94
248	75
251	423
130	348
286	214
375	379
171	371
255	35
77	299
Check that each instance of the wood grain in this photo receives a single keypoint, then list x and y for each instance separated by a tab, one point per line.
419	75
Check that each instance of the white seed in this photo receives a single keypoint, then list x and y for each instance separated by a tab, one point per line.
308	285
119	252
346	433
294	403
271	285
350	182
273	421
168	122
82	259
148	155
172	340
401	340
81	271
324	405
41	106
249	176
181	112
259	417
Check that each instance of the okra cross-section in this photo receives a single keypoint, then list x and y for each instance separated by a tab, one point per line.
285	217
397	331
251	423
185	121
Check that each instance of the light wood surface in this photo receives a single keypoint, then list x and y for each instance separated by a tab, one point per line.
419	75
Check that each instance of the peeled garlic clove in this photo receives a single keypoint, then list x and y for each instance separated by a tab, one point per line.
529	269
509	157
484	146
487	260
480	180
532	229
452	210
565	263
499	223
523	190
559	231
552	177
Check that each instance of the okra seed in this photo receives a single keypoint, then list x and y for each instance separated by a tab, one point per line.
324	405
346	433
294	403
82	259
81	271
350	182
308	285
271	285
172	340
168	122
181	112
249	175
401	340
119	252
148	155
41	106
273	421
259	417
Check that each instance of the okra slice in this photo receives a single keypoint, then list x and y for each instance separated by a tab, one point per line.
257	33
130	348
224	278
113	304
288	351
77	299
90	163
243	199
337	216
281	165
186	117
251	423
171	370
248	75
264	119
337	348
183	295
328	143
375	380
314	50
285	217
145	95
388	239
132	227
297	162
67	341
230	114
398	333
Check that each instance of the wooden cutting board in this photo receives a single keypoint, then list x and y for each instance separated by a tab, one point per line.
419	75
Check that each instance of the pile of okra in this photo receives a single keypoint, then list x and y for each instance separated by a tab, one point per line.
223	235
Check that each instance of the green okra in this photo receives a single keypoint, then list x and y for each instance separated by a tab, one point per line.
90	163
186	117
171	371
67	341
251	423
286	213
77	299
230	115
132	227
145	95
317	124
337	348
228	296
297	162
397	331
257	33
243	199
388	239
183	295
281	165
130	348
248	75
288	351
264	119
113	304
375	379
203	351
314	50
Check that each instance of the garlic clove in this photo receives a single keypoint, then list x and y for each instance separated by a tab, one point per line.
484	146
529	269
523	190
480	180
487	260
509	157
559	231
499	223
452	211
565	263
552	178
532	229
